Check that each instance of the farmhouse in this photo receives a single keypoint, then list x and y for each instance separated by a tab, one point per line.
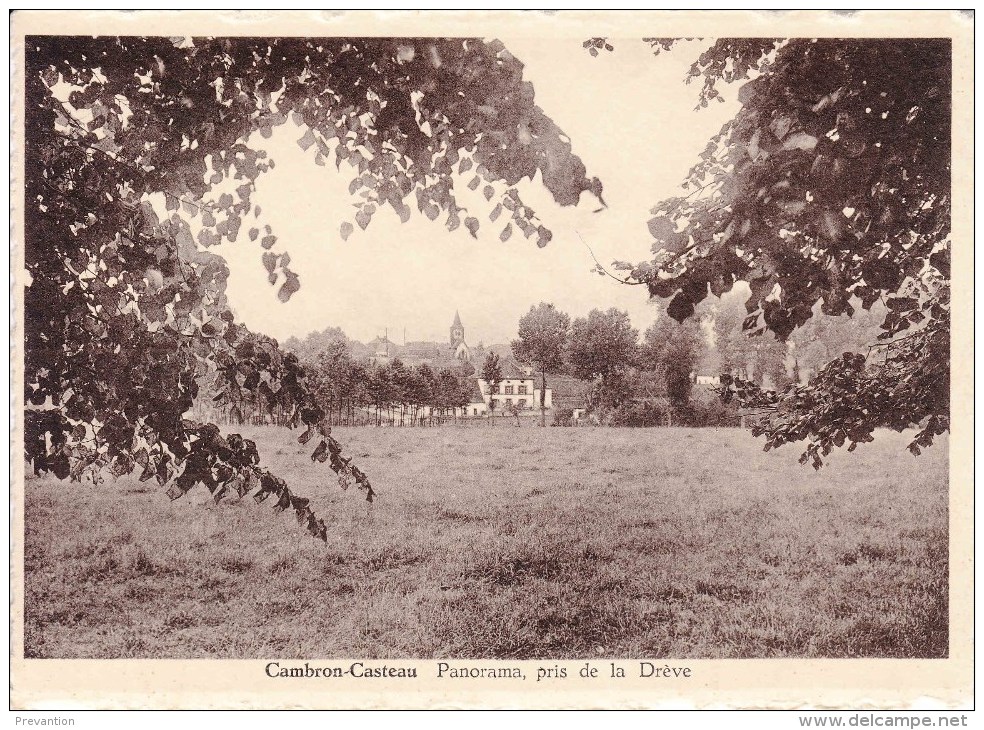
569	392
518	388
520	385
709	369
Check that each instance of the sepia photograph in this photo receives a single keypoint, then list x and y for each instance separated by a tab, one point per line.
342	353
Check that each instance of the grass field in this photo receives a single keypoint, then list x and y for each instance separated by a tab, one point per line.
507	543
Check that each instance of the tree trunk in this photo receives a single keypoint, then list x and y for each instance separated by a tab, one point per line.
543	398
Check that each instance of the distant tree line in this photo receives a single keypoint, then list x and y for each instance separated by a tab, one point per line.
353	392
393	393
631	380
652	382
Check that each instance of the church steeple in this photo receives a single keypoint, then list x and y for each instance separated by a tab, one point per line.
457	330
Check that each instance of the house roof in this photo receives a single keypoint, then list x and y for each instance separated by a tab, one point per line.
474	391
503	350
378	342
568	392
425	349
568	385
512	369
451	364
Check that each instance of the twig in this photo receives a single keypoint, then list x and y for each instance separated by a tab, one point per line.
603	269
926	330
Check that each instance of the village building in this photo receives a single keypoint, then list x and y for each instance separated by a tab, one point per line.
382	350
569	393
450	355
518	388
458	345
520	385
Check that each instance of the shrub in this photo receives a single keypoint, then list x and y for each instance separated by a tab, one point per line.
706	409
563	417
638	415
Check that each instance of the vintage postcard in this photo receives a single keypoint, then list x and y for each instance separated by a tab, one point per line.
492	359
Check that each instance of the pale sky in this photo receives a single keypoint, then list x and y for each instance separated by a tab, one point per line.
630	118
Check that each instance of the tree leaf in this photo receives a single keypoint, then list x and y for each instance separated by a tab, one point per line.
292	284
472	225
402	210
307	140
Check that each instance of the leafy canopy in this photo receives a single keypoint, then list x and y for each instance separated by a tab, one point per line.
125	311
602	344
543	333
491	371
830	186
672	350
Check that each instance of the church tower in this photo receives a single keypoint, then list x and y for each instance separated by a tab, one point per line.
457	331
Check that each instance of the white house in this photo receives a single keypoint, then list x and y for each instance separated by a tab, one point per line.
517	388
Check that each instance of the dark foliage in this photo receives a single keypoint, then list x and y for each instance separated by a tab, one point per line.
125	311
830	185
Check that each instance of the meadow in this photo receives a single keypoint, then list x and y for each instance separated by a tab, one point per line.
507	543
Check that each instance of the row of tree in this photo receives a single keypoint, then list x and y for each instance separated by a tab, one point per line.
633	381
605	349
353	391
